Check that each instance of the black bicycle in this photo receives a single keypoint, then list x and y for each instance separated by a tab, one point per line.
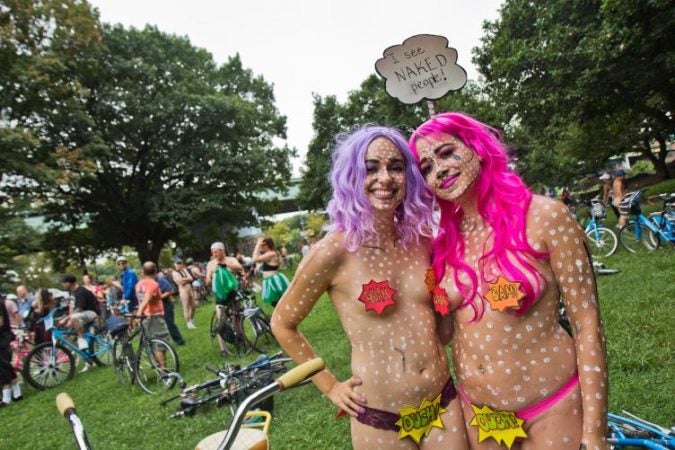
231	385
154	366
242	325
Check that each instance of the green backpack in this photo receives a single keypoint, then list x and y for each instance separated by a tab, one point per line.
224	284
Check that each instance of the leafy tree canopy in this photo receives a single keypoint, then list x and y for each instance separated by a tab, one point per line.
144	136
583	79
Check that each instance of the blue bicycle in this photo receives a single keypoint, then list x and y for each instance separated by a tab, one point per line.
52	363
632	431
602	241
646	232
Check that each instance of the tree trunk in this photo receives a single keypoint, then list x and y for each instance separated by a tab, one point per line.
659	165
662	168
149	250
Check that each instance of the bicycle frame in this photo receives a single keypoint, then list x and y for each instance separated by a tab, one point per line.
662	439
59	335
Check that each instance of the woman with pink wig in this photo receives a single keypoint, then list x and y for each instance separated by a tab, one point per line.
373	263
503	259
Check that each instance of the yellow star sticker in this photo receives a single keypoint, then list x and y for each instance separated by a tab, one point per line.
503	426
504	294
418	422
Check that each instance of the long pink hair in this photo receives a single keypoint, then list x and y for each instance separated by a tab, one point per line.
503	200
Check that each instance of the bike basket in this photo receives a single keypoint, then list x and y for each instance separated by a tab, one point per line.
630	204
598	210
115	325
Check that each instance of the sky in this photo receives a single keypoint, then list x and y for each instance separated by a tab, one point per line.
326	47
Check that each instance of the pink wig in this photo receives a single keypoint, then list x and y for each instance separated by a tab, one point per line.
503	201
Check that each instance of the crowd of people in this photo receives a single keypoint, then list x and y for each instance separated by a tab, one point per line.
151	293
487	276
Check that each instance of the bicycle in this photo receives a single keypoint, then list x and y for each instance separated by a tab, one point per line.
633	431
642	232
239	434
142	366
242	325
52	363
603	241
21	347
231	386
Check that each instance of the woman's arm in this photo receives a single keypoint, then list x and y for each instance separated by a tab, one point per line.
314	277
571	264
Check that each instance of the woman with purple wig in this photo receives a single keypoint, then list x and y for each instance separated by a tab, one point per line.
504	258
373	264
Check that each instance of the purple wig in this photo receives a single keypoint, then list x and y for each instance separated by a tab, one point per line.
503	200
350	211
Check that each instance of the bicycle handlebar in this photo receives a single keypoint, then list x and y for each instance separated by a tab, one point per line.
64	403
66	408
300	373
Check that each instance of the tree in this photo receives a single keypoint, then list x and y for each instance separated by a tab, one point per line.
584	79
161	138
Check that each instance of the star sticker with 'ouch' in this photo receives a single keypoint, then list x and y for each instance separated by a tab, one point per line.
377	295
504	294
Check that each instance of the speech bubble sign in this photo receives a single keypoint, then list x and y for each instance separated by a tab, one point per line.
422	68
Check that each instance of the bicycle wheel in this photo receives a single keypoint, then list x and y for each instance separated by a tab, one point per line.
213	326
152	375
635	238
259	333
101	346
123	361
243	344
603	242
48	365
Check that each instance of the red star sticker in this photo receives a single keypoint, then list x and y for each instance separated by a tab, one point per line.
377	295
441	301
430	279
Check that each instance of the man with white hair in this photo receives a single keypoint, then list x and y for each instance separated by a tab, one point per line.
220	260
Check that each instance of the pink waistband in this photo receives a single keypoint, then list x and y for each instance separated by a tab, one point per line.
532	411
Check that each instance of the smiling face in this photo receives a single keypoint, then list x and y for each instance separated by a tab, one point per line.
448	166
385	175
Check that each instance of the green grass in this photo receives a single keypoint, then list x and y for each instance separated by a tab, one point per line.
637	308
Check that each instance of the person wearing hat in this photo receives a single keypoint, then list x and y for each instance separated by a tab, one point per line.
128	279
618	191
183	278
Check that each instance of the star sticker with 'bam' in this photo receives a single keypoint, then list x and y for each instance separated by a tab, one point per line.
504	294
377	295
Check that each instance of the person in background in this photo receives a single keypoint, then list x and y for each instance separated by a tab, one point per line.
24	301
183	279
44	304
128	280
607	198
274	283
11	389
151	305
84	311
618	191
12	310
168	299
113	295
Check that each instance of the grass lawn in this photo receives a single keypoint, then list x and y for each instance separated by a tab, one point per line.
637	307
